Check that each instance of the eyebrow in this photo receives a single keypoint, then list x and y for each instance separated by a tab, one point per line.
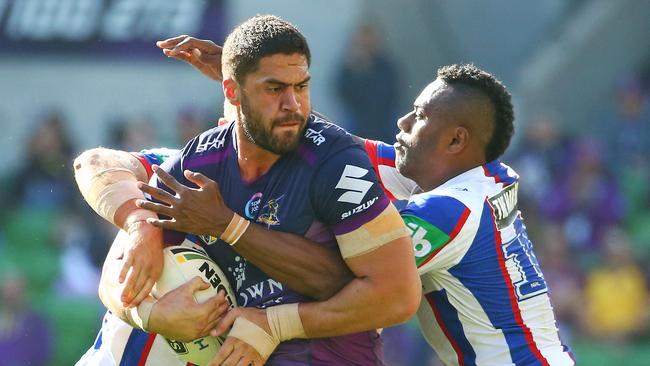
282	83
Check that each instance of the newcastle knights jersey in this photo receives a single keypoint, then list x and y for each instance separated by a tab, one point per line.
485	300
325	190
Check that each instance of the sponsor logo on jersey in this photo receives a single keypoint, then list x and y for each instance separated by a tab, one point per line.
177	346
253	205
208	239
315	136
504	205
257	292
426	238
238	271
362	207
213	142
355	187
269	217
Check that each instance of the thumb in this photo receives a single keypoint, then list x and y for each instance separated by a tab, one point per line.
197	284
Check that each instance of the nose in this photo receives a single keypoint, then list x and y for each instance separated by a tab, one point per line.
406	122
290	101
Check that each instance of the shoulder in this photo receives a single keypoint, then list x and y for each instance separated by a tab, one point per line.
442	208
323	137
209	147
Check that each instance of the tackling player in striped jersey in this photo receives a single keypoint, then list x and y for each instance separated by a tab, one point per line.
485	300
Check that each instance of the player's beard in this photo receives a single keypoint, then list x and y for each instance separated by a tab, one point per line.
257	133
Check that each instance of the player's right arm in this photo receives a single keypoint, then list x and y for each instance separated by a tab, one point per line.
107	180
175	315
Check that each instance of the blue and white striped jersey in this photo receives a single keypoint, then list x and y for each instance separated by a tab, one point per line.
485	300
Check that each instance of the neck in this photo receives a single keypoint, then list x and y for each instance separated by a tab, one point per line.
448	172
253	160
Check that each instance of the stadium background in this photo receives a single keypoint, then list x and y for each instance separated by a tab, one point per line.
75	74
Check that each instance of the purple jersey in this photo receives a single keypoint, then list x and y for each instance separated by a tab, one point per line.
325	189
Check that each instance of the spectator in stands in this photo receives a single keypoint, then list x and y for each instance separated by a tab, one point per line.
367	86
43	180
616	293
25	337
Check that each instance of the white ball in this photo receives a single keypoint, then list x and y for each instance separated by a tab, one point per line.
181	264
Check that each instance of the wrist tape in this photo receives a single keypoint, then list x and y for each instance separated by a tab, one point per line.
284	321
255	336
235	229
139	315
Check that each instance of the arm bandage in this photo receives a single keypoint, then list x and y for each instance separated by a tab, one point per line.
284	321
108	189
139	316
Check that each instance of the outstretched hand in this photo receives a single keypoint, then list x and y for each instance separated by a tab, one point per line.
203	54
199	211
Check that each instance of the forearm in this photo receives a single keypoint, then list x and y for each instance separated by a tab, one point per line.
387	294
303	265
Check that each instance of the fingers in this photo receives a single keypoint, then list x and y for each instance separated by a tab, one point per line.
155	207
129	288
225	351
157	193
128	262
225	323
196	284
199	179
171	42
145	290
169	181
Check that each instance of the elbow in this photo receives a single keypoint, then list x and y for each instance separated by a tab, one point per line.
325	286
406	301
87	158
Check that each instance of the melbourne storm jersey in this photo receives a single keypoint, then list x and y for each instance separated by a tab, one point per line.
485	300
326	191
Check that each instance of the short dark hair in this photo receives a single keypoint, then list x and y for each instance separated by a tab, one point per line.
475	78
257	37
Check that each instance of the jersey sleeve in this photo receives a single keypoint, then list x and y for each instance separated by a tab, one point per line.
348	198
434	222
395	185
155	156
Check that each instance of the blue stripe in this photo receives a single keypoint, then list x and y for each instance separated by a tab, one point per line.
385	151
496	169
134	347
445	215
479	271
98	340
450	319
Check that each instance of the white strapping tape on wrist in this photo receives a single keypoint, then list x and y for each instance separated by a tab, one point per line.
285	323
256	337
139	315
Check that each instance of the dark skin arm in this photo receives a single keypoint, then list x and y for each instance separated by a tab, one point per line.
301	264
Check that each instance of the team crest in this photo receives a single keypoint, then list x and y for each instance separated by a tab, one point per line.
270	215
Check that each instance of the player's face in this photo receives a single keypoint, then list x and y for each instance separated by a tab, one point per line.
423	132
275	102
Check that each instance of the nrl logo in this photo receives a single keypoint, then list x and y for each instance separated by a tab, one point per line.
209	239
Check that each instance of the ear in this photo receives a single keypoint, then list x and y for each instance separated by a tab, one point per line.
231	91
459	140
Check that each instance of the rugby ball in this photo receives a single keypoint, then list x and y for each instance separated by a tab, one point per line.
182	263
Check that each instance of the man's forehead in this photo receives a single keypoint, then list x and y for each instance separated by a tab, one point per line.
279	64
430	92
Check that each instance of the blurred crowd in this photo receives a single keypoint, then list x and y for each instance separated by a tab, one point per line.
584	195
